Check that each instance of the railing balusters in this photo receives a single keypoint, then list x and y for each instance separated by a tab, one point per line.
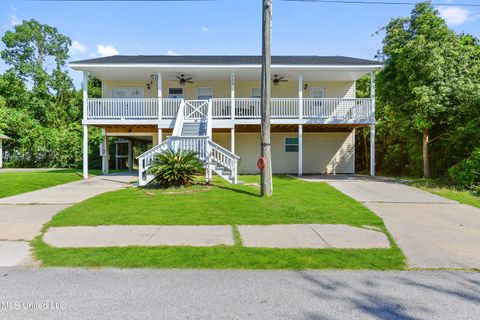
245	108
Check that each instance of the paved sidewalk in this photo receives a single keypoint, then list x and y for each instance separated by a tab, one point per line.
266	236
121	236
432	231
22	216
312	236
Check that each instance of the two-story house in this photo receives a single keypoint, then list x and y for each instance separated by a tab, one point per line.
211	104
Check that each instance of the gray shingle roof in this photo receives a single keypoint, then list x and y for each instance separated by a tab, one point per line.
230	60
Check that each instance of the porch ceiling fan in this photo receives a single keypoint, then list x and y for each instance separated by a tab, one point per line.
278	79
182	80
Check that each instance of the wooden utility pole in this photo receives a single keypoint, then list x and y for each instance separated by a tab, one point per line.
266	189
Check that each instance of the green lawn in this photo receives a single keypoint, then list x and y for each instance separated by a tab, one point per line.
13	183
462	196
294	201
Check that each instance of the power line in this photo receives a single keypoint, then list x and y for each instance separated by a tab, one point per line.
366	2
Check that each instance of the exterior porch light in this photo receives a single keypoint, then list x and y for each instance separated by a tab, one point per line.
152	79
305	87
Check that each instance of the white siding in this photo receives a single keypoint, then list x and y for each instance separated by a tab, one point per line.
328	152
325	152
351	91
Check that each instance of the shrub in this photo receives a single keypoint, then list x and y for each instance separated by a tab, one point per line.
176	168
466	173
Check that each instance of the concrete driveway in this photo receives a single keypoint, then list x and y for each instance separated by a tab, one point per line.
432	231
22	216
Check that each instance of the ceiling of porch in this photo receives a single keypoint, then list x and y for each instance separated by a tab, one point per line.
321	73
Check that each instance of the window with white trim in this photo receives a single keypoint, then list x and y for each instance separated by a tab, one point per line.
204	93
256	92
128	93
291	144
175	93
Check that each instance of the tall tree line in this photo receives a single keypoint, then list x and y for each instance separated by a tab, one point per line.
40	109
428	97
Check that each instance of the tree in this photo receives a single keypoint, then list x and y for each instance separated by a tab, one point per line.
44	122
426	66
29	49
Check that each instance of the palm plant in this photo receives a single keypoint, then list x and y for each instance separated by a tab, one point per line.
176	168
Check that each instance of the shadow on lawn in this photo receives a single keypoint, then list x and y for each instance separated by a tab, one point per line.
242	191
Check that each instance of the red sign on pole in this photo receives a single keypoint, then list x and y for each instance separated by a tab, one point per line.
261	163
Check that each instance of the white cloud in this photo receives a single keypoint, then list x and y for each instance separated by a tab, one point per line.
106	50
207	29
456	15
77	47
173	53
14	20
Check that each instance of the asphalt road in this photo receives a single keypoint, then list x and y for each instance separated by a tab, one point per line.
209	294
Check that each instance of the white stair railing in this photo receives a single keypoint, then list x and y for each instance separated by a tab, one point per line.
177	129
214	156
145	161
220	156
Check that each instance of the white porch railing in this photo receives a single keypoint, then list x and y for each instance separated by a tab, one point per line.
131	108
221	108
284	108
247	108
337	108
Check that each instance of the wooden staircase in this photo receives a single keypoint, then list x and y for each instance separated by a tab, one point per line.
193	131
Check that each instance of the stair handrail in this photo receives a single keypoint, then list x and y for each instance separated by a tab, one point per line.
146	158
177	129
231	164
222	149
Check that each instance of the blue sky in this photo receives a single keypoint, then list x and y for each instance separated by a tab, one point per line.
220	27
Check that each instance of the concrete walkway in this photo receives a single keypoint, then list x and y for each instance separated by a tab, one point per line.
121	236
432	231
312	236
266	236
22	216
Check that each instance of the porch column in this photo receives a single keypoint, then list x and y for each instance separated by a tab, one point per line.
300	96
300	150
372	125
85	151
116	155
160	135
130	155
159	94
232	95
104	152
85	127
155	139
85	94
232	139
